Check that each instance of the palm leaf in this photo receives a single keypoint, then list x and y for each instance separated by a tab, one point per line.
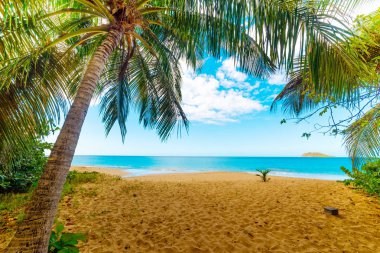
362	137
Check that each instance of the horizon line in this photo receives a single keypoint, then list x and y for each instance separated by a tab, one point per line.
237	156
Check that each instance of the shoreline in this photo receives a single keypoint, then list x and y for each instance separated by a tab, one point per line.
217	176
137	173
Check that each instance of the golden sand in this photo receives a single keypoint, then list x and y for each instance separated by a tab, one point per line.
221	212
109	171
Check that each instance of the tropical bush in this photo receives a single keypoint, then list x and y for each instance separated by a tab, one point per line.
263	175
366	178
21	166
64	242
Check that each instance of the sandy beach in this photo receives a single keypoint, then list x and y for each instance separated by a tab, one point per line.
104	170
221	212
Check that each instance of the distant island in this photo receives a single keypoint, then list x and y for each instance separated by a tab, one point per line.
315	154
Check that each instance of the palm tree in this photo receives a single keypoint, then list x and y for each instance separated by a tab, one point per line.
128	52
354	80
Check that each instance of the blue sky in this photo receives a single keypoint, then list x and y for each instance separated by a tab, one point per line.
229	114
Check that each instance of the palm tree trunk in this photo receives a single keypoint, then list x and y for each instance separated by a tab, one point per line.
34	233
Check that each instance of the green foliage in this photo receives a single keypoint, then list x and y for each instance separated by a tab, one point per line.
362	137
12	202
20	217
263	175
12	209
57	38
352	77
21	165
68	189
61	242
367	178
323	111
75	178
306	135
20	181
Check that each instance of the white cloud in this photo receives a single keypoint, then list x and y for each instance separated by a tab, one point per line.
230	77
220	98
228	71
278	78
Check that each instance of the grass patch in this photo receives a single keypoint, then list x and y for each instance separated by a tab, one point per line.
10	202
20	217
88	192
12	211
12	205
68	189
130	187
75	178
13	202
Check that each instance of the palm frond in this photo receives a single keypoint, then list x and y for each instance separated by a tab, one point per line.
352	69
334	71
151	84
260	35
36	96
362	137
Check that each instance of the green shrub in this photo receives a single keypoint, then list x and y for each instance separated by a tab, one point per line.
367	178
263	175
19	181
64	242
21	166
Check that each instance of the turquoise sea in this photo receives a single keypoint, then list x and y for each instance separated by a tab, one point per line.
305	167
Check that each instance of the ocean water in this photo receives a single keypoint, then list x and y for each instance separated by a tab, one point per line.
304	167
